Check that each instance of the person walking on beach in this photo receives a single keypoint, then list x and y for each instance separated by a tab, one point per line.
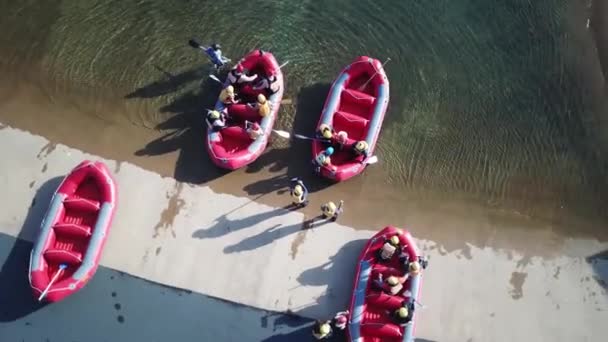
330	211
322	330
298	192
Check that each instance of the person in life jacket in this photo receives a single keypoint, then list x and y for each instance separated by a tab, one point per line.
215	54
237	76
269	83
298	192
330	211
342	139
389	248
323	159
216	119
413	269
254	130
325	133
262	106
322	330
227	96
404	314
361	148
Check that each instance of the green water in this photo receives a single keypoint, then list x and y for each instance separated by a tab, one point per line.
486	96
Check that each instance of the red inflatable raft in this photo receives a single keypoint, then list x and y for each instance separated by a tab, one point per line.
73	232
356	104
370	307
232	148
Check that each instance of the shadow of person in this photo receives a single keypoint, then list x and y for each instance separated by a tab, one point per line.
264	186
16	298
266	237
302	334
225	225
599	264
338	275
168	84
187	135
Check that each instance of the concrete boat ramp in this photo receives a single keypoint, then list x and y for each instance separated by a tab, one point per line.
219	247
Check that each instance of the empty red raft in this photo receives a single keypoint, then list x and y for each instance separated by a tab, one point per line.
370	308
356	104
73	232
232	148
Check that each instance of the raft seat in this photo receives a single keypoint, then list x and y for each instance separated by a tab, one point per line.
358	97
81	204
353	124
72	230
61	256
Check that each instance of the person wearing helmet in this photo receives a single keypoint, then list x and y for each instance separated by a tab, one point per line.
215	54
325	133
262	106
342	139
227	96
254	130
404	314
298	192
237	76
361	148
390	246
216	119
395	285
322	330
330	211
323	159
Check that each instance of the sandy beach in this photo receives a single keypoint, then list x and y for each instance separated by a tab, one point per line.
244	252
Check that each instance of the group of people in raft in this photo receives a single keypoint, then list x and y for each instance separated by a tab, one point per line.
249	86
253	112
383	281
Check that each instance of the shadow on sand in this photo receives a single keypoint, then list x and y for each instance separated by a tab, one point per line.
599	264
225	225
16	298
185	129
297	158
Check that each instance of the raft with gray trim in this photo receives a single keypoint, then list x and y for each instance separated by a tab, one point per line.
73	232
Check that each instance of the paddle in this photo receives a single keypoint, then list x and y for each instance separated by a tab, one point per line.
61	268
366	82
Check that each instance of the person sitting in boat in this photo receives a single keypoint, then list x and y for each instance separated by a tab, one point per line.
216	119
227	96
330	211
342	139
404	314
323	159
361	148
325	133
262	106
299	193
391	285
322	330
268	83
215	54
237	76
389	248
254	130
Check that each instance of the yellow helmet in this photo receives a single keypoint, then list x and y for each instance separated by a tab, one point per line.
392	280
261	98
214	115
414	267
329	207
230	89
324	329
394	240
361	146
297	190
327	133
402	312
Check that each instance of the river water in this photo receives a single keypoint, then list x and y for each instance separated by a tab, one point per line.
497	103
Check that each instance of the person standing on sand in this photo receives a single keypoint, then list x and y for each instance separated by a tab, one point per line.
330	211
298	192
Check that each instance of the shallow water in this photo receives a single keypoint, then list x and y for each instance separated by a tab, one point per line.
489	100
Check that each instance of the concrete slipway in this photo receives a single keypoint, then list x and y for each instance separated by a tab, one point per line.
234	249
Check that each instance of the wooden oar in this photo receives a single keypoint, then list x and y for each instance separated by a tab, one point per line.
53	280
